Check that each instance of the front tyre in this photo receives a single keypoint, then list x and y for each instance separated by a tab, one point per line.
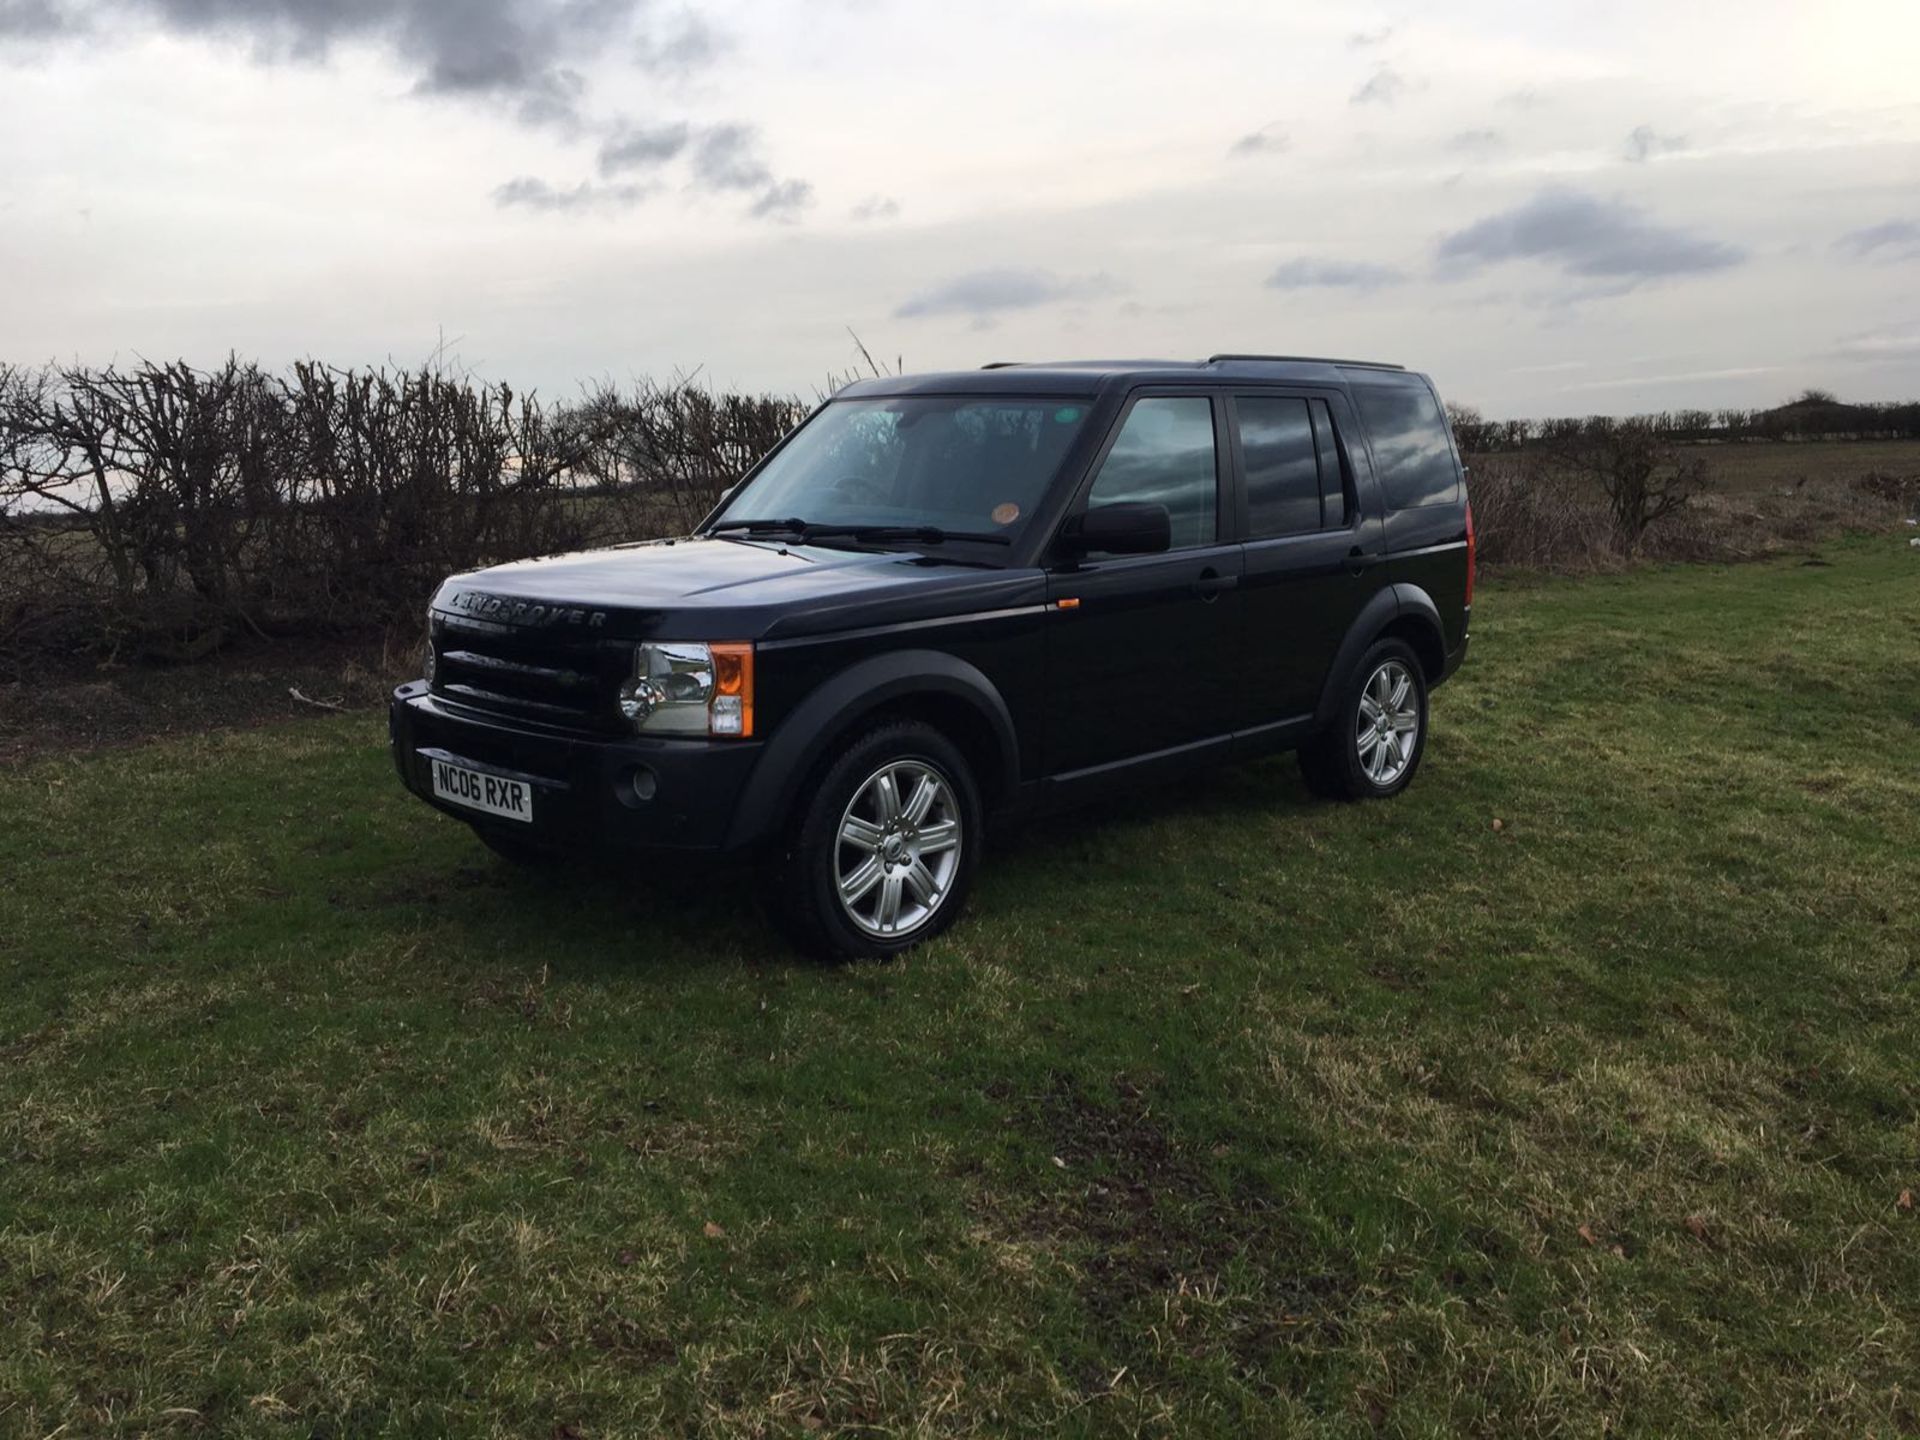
882	853
1375	742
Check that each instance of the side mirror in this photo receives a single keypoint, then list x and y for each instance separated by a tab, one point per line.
1132	528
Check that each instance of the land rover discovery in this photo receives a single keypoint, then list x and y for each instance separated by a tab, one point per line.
949	599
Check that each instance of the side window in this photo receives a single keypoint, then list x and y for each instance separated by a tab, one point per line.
1283	468
1410	445
1333	478
1164	456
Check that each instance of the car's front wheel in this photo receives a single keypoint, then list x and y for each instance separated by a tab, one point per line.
1375	742
882	852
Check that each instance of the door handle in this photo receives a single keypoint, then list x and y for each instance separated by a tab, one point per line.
1358	560
1211	582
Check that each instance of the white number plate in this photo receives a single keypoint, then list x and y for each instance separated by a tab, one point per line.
512	799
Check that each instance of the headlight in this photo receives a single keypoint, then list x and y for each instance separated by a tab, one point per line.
428	664
690	689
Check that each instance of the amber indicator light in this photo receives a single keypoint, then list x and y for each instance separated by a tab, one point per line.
733	675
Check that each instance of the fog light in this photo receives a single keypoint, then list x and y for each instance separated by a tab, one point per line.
644	783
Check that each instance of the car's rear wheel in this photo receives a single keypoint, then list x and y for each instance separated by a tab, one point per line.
882	852
1375	742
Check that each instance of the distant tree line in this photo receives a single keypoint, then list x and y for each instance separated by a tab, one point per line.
1814	415
159	508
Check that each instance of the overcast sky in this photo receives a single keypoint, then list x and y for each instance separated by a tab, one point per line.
1554	208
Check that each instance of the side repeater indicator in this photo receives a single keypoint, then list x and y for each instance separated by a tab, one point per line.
1070	603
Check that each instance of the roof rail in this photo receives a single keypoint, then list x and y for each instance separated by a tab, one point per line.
1309	360
1002	364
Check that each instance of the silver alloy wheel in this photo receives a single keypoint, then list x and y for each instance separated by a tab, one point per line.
1389	725
898	849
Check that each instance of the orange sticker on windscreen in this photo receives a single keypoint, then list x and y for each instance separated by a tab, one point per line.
1006	514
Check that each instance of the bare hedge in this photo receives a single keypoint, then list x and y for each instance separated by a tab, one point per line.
160	509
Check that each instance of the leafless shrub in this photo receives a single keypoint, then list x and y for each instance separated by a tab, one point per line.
1644	477
1531	514
167	508
1886	485
664	454
1473	433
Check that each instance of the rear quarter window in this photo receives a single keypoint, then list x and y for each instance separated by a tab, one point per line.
1409	440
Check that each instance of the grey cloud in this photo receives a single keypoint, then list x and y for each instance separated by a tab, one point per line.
1890	240
1645	142
643	147
721	159
33	19
1476	142
727	157
691	44
1587	237
1333	274
530	193
521	53
1367	39
783	200
1386	86
875	207
1268	140
982	293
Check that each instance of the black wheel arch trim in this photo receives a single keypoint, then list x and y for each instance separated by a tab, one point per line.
865	688
1393	603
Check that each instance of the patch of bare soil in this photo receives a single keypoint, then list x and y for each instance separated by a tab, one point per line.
87	707
1168	1245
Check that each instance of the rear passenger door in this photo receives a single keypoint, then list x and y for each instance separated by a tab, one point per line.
1311	557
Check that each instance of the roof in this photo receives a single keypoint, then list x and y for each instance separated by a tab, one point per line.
1087	377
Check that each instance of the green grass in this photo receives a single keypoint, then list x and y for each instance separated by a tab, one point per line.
1227	1113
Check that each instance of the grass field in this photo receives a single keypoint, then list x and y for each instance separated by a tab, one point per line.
1758	467
1228	1113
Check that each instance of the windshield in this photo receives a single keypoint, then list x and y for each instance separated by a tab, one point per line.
972	467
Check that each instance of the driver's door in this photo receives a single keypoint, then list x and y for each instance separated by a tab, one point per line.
1141	648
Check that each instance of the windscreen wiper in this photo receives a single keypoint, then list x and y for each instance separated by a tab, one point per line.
805	530
760	527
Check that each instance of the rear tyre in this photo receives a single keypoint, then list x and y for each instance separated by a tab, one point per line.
515	850
1377	737
882	851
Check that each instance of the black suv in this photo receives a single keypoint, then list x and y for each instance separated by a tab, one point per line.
948	599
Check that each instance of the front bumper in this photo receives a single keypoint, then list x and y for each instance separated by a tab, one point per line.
584	794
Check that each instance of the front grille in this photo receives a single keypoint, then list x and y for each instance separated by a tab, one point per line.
529	673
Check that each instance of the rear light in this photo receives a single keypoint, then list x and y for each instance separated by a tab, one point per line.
1472	553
